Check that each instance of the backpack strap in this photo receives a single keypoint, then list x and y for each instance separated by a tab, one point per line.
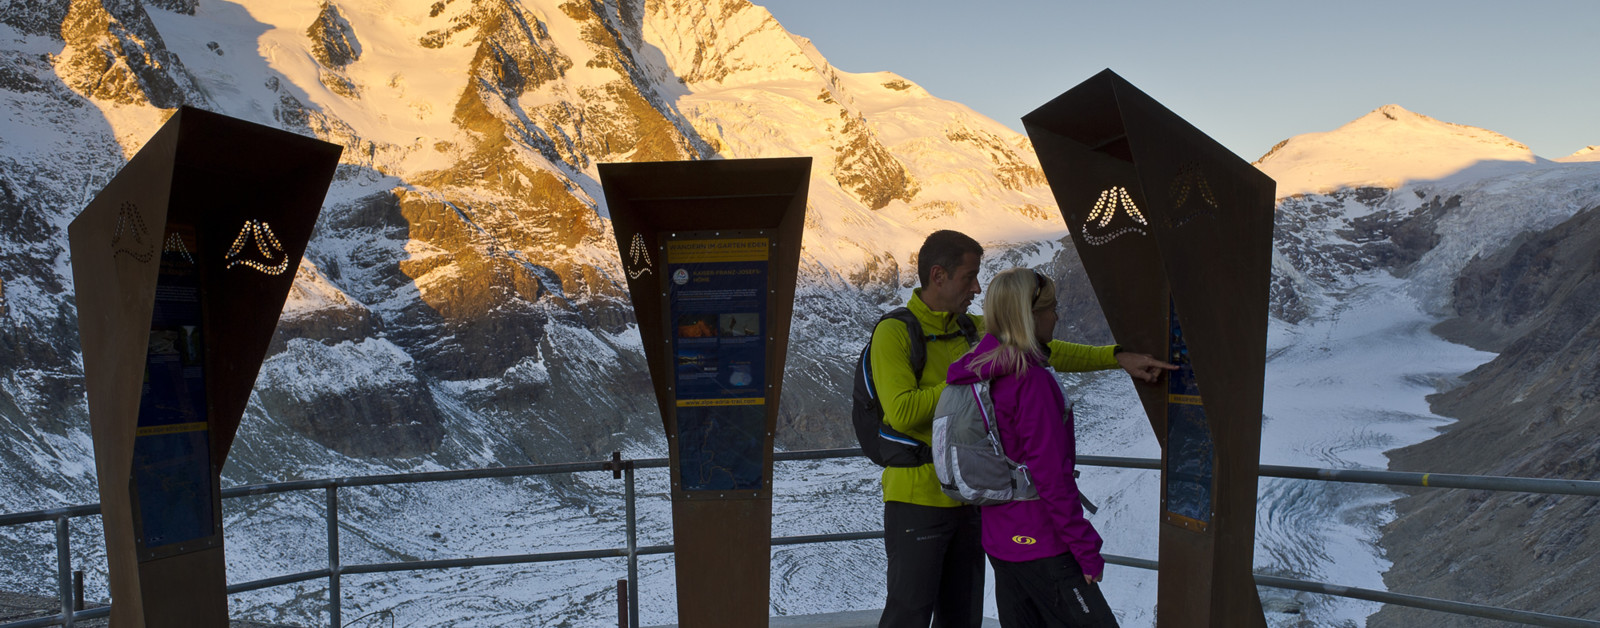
918	340
980	391
968	328
965	328
911	452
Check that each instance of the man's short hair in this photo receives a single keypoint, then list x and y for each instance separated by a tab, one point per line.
944	249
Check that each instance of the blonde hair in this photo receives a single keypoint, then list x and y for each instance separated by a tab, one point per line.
1014	295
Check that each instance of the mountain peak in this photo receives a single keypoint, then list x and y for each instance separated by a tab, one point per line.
1587	153
1385	148
1393	112
1389	114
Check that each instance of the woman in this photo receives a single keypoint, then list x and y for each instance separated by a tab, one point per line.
1046	556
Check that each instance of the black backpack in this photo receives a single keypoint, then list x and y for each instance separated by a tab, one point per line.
882	444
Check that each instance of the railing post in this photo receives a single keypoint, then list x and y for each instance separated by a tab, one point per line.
64	569
333	556
622	604
633	549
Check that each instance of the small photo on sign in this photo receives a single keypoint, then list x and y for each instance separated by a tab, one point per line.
739	376
697	326
696	359
740	325
164	342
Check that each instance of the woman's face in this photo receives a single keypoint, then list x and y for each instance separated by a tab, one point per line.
1044	325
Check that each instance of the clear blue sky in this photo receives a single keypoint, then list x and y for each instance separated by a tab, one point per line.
1248	73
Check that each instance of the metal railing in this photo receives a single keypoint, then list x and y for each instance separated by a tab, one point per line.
624	469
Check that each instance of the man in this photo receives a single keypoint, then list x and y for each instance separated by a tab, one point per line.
934	543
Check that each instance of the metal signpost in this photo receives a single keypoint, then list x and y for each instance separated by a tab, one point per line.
1175	233
181	266
711	250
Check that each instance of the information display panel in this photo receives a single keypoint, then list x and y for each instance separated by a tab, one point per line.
1190	454
174	509
717	306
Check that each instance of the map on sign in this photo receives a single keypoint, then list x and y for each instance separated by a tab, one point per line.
1190	451
720	447
717	297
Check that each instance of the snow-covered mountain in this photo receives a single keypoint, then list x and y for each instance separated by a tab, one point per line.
463	263
1417	194
1387	148
1587	153
461	302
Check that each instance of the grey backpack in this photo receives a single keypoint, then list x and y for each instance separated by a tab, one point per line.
972	466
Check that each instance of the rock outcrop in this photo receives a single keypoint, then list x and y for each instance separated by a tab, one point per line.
358	398
333	40
36	17
334	45
114	53
866	168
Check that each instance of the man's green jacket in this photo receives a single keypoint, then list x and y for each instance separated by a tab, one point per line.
908	402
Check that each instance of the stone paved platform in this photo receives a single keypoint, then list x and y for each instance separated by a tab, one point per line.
16	607
846	619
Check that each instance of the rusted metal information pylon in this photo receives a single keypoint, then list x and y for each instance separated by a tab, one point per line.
1175	233
181	265
711	250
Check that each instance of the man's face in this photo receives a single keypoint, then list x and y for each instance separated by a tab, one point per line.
954	288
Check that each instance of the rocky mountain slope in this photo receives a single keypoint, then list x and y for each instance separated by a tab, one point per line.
461	299
1531	412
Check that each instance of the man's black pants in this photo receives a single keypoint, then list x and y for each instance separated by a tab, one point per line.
935	566
1048	593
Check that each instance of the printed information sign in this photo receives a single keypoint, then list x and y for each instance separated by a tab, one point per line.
172	447
717	304
1190	450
